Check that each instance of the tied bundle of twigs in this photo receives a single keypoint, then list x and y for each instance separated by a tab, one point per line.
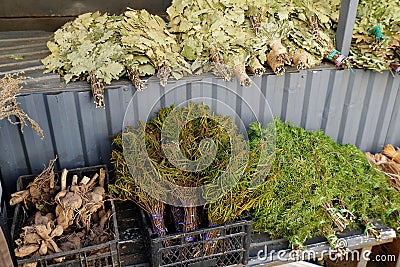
125	186
9	88
388	163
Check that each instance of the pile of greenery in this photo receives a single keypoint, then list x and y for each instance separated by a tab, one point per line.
376	34
197	124
316	187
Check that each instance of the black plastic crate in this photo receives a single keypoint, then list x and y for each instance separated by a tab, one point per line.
104	255
230	247
133	248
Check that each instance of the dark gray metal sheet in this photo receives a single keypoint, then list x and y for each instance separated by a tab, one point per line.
39	151
295	96
66	129
319	85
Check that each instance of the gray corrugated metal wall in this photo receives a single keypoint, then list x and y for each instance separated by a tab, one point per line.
360	108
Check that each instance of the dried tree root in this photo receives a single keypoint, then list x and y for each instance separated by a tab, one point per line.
102	177
135	79
97	91
19	197
387	166
300	60
81	205
391	152
9	88
40	191
241	75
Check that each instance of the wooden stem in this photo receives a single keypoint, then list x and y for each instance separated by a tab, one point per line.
102	177
255	22
135	79
97	91
256	67
240	73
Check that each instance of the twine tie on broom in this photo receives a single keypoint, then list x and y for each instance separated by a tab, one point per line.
377	32
339	59
158	225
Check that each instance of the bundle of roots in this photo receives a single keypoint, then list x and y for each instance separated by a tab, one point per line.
62	218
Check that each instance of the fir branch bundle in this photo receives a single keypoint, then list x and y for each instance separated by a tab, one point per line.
315	187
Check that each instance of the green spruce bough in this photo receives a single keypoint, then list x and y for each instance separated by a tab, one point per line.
316	187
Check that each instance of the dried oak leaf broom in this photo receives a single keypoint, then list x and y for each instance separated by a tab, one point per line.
87	48
151	47
10	86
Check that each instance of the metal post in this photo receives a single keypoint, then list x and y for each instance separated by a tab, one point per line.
347	18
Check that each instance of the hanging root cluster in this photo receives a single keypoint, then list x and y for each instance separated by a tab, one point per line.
63	217
39	193
10	85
